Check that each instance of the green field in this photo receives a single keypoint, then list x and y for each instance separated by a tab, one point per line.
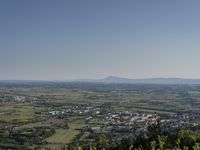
65	136
20	112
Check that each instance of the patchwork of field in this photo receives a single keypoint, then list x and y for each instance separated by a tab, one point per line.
33	113
17	112
64	136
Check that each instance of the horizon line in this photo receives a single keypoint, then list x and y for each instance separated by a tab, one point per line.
111	76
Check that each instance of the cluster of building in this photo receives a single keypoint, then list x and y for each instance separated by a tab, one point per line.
127	122
181	120
10	98
75	110
21	99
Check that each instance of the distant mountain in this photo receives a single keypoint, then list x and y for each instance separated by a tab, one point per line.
119	80
115	80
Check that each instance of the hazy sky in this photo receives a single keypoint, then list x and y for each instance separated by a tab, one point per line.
69	39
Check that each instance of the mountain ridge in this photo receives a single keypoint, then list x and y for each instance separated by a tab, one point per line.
115	79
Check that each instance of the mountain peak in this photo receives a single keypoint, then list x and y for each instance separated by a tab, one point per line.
112	77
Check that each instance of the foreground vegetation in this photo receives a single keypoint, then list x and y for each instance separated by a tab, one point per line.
153	139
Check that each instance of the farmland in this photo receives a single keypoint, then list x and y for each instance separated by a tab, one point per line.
64	136
54	115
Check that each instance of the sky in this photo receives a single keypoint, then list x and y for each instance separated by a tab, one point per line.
75	39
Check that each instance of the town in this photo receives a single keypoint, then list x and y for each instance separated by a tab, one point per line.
79	113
